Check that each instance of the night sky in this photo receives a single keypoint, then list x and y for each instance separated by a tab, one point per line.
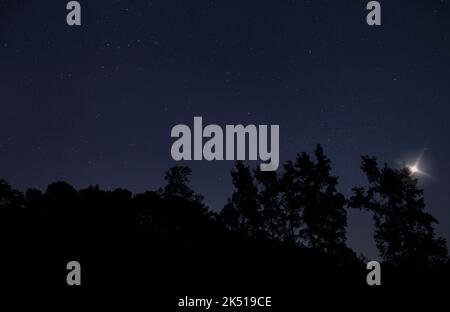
95	104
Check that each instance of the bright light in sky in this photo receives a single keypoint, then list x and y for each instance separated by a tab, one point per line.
415	169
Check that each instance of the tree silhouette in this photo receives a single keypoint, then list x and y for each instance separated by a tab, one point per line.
13	212
269	199
315	209
181	218
10	198
177	178
404	232
292	203
242	213
290	223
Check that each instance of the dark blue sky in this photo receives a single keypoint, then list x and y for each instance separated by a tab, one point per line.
95	104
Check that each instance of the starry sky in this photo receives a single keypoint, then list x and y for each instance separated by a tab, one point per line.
95	104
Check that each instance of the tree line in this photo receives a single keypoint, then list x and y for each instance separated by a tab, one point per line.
298	207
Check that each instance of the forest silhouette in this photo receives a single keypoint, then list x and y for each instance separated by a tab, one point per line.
277	228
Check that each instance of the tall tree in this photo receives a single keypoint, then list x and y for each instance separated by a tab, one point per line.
178	178
242	212
10	198
12	206
292	203
404	232
269	199
315	209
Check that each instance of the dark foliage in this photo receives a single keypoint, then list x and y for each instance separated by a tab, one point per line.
276	227
403	230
